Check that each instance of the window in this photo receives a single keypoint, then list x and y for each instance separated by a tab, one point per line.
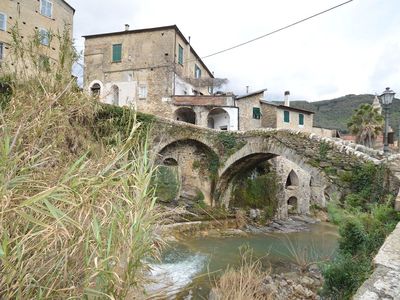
286	116
1	51
46	8
95	90
44	63
3	21
117	52
180	55
44	36
197	72
301	119
142	92
256	113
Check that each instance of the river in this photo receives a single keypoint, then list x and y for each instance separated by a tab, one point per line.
188	267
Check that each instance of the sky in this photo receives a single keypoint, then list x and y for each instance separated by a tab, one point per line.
354	49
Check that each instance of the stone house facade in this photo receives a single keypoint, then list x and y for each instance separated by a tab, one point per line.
42	17
256	112
147	69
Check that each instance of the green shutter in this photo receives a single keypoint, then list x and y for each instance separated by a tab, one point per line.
117	53
256	113
301	119
180	55
286	116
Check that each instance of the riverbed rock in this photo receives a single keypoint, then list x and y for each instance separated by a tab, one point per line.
279	287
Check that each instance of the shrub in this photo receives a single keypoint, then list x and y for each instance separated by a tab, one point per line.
344	275
353	237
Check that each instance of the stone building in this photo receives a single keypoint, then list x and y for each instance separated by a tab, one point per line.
34	17
256	112
156	70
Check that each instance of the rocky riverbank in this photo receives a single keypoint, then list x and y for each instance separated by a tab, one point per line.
294	286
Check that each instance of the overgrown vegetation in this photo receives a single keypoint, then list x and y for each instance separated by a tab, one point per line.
257	188
365	217
230	143
166	182
77	214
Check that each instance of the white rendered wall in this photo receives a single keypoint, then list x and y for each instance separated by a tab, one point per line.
127	92
182	87
223	119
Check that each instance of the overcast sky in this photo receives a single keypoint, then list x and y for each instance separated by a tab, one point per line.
354	49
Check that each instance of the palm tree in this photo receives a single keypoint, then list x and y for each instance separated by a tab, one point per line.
366	123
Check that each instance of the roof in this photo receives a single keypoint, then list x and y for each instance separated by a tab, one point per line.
250	94
73	9
169	27
309	112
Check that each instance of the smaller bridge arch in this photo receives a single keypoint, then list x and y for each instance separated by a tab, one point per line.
193	158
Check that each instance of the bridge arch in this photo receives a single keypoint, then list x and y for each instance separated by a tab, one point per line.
261	149
193	158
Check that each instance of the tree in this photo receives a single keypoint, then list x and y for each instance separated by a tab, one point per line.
366	123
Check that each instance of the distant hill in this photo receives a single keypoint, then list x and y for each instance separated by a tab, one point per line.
337	112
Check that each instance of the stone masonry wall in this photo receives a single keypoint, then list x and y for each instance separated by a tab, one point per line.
27	14
384	283
246	105
268	118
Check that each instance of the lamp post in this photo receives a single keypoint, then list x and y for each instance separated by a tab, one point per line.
386	101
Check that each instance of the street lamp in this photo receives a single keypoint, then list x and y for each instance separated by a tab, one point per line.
386	100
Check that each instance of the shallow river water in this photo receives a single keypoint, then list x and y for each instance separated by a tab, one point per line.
189	267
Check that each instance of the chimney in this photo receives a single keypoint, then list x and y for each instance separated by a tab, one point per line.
126	27
247	89
287	102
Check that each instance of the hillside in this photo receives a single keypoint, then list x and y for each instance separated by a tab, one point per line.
335	113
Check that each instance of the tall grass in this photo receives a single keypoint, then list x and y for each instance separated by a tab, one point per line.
245	282
77	216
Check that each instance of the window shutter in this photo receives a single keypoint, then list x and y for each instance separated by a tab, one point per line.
286	116
1	50
301	119
117	53
256	113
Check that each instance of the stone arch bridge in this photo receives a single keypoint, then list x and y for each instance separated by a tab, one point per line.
308	167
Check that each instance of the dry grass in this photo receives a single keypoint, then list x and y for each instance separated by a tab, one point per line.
77	217
243	283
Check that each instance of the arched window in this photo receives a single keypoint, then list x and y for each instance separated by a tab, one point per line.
292	179
185	114
170	162
95	90
292	205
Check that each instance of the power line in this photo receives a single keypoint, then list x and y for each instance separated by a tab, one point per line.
277	30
